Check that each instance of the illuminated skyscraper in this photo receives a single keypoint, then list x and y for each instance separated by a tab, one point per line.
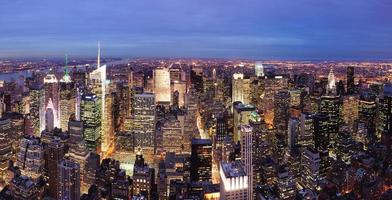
350	81
55	151
386	114
293	133
143	128
233	181
286	183
322	141
67	98
241	89
37	108
52	100
259	69
305	139
201	160
242	113
162	87
331	87
172	134
30	159
98	83
5	147
310	176
69	180
247	156
350	110
91	114
331	106
180	87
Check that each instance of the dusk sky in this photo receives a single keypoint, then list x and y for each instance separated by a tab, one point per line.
257	29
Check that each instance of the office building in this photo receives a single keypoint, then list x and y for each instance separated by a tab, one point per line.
69	180
5	146
55	152
241	116
233	181
201	160
91	112
143	128
350	81
162	87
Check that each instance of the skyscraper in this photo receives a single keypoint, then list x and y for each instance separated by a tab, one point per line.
30	159
67	98
350	81
233	181
37	108
242	113
247	156
201	160
310	167
91	114
143	128
55	154
162	87
52	100
331	86
322	140
259	69
98	84
241	89
69	180
5	147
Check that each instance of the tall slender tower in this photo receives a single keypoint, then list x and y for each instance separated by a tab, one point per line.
67	97
331	87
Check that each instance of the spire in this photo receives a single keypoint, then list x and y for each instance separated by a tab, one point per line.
99	55
331	87
66	78
66	72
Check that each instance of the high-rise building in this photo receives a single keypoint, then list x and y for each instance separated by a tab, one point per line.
55	154
310	167
386	115
241	116
180	87
143	128
201	160
67	98
23	187
172	134
293	133
285	183
322	141
143	177
241	89
162	87
331	86
350	110
91	112
37	108
30	159
75	131
331	106
305	139
281	115
259	69
69	180
98	83
350	81
5	147
233	181
52	101
247	156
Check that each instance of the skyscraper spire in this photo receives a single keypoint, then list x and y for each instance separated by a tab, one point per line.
331	87
66	77
99	55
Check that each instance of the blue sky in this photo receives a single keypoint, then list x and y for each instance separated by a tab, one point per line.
258	29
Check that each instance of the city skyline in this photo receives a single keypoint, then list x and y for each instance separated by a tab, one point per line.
301	30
